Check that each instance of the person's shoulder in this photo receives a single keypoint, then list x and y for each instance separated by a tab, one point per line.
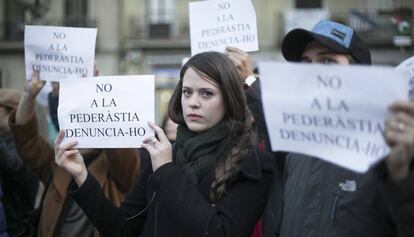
256	163
266	159
254	91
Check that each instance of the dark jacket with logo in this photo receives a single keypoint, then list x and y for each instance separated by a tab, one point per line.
322	199
316	198
166	203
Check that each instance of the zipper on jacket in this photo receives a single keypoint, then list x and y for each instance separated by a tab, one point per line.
156	223
335	204
143	210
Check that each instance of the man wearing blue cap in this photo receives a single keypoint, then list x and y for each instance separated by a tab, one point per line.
322	199
337	39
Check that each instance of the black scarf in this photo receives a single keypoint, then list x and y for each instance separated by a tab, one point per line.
197	153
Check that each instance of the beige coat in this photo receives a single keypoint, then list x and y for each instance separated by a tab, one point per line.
115	170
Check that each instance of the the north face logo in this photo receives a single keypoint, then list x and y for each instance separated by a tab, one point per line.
339	34
348	186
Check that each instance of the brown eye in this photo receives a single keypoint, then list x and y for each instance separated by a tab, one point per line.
186	92
206	93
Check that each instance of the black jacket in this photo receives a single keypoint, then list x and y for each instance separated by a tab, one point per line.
254	102
272	215
322	199
165	203
400	199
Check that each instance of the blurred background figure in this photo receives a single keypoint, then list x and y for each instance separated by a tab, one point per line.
19	184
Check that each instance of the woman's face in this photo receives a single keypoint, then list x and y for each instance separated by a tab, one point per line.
202	102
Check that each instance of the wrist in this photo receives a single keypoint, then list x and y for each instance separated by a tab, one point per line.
156	166
80	179
27	96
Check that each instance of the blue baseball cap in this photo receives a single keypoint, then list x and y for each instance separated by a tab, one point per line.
340	38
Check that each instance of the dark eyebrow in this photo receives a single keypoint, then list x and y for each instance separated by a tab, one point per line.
200	89
206	88
327	52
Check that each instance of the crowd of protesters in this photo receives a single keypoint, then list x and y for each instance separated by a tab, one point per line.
209	171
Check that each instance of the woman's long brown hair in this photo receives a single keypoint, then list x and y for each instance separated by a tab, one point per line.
218	68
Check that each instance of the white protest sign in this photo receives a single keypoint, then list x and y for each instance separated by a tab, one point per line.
408	66
336	113
216	24
107	112
59	52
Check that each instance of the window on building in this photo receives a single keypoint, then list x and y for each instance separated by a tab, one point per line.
14	20
160	17
308	4
76	13
160	11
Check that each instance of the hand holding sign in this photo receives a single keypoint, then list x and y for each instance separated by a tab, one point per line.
33	87
399	135
26	108
241	60
160	150
69	158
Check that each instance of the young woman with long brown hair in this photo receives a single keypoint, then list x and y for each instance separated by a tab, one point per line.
212	182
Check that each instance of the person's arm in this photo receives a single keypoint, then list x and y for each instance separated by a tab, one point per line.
399	166
86	191
399	135
235	214
26	108
243	63
31	147
126	220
